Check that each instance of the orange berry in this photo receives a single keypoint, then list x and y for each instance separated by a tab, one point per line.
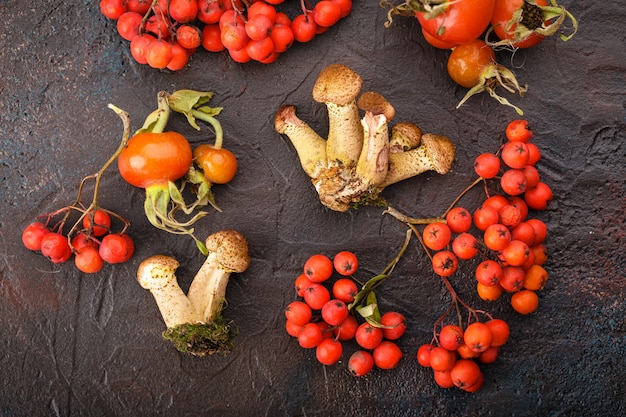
525	301
535	278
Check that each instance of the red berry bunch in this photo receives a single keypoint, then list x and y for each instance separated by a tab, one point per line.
165	33
500	230
91	239
92	246
456	354
324	319
512	253
516	239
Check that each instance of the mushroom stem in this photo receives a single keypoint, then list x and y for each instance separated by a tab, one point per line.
435	153
157	274
208	289
373	161
338	86
310	146
228	253
345	133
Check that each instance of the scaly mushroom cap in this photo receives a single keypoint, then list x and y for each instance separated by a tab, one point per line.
231	250
371	101
337	83
440	150
156	271
404	136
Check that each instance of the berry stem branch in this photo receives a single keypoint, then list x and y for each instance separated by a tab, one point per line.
374	282
458	198
456	300
217	126
411	220
98	176
304	8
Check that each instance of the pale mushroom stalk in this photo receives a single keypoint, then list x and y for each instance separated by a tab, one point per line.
338	86
345	133
209	287
228	253
310	147
157	274
373	162
436	153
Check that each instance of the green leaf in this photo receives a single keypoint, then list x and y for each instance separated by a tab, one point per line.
374	322
202	190
210	111
367	311
151	121
202	247
157	120
372	300
189	101
183	101
150	210
366	289
176	196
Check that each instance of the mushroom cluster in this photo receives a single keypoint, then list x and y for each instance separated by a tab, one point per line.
194	321
361	155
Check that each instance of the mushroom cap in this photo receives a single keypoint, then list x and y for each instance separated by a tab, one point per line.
230	249
405	136
156	271
440	150
337	83
371	101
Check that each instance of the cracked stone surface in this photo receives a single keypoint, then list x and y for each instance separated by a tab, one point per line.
89	345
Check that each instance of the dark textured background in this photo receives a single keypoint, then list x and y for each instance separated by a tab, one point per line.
89	345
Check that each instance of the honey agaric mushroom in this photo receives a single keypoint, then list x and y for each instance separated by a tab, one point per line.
359	158
374	160
435	153
228	253
338	86
157	274
194	323
310	146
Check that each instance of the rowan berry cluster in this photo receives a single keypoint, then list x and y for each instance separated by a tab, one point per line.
512	251
455	354
90	239
91	245
166	33
325	316
511	241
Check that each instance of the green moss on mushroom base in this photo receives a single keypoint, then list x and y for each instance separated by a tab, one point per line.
200	339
